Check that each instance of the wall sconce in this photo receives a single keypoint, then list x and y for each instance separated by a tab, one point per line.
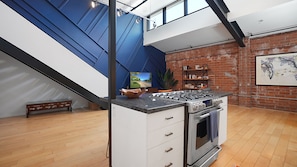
94	3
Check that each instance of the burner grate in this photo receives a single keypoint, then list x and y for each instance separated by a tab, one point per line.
189	95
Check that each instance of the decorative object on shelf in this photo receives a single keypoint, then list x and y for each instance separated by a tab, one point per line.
185	67
198	67
133	93
167	80
205	66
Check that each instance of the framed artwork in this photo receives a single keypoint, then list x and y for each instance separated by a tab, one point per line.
277	69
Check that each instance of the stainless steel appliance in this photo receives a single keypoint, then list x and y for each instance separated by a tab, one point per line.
202	125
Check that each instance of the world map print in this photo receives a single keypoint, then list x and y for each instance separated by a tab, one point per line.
277	69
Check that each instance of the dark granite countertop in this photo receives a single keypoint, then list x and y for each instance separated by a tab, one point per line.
149	104
222	94
146	103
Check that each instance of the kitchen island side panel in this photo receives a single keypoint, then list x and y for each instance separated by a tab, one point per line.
128	150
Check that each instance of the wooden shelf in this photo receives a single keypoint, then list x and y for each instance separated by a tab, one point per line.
190	70
195	79
199	80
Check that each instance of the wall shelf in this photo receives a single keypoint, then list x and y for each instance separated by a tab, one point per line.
196	78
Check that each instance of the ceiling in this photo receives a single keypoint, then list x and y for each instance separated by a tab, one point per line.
255	18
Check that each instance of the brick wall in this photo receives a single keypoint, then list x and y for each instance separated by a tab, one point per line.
232	69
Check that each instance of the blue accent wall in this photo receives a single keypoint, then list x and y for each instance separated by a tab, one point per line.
84	31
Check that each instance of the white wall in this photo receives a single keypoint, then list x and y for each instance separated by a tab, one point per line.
192	22
239	8
23	34
206	18
21	84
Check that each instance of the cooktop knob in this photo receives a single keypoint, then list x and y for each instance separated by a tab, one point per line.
217	102
195	107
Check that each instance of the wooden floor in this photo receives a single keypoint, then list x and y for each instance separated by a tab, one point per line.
259	137
256	137
56	140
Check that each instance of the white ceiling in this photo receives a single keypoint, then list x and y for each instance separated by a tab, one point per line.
254	18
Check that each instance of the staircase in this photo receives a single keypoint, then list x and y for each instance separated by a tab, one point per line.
28	44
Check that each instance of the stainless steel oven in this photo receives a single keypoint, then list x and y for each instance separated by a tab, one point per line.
201	125
202	144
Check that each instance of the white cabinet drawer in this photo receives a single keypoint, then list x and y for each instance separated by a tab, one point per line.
165	118
166	154
165	134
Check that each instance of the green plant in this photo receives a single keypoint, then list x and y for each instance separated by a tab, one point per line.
167	80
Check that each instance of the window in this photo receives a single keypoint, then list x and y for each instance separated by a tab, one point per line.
175	11
194	5
156	17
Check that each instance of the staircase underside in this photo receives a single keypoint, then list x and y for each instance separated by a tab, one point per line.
30	61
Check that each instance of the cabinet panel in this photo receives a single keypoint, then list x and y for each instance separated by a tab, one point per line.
223	121
129	137
168	153
165	118
163	135
138	138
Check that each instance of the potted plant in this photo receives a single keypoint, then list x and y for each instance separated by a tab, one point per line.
167	81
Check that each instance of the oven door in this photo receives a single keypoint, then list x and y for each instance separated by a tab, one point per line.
201	138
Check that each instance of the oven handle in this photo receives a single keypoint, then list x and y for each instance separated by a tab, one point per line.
207	114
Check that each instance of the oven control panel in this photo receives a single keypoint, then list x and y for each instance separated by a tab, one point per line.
201	105
198	106
217	102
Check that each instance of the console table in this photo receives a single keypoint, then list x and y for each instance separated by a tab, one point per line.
47	105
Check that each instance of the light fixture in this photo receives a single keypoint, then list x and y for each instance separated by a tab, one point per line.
155	24
94	3
120	12
138	20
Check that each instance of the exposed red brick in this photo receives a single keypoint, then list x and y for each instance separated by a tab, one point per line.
232	69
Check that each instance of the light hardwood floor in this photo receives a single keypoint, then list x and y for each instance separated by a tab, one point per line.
256	137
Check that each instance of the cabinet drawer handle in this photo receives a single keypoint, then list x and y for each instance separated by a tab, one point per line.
168	150
168	118
170	164
169	134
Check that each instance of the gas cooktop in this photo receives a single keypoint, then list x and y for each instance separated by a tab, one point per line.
196	100
186	95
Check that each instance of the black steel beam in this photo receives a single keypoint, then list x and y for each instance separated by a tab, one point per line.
138	5
112	50
111	66
221	10
44	69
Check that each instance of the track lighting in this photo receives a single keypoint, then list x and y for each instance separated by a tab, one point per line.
138	20
94	3
155	24
120	12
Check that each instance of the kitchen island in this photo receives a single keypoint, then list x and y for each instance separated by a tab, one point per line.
150	131
147	132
